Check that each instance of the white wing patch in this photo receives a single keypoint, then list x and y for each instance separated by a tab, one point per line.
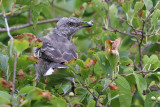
49	72
62	67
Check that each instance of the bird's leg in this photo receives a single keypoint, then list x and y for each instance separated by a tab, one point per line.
72	88
73	85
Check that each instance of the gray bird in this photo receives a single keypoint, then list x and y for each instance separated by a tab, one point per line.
57	46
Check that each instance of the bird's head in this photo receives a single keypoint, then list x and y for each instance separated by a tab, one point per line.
68	26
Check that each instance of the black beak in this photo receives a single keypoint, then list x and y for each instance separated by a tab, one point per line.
89	24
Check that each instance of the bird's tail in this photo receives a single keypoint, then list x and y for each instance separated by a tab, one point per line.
45	68
52	67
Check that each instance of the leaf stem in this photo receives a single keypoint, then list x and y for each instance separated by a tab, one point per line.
14	80
100	93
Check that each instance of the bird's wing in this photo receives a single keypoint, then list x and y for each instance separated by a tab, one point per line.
58	51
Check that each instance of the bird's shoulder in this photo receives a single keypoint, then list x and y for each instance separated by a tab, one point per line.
57	48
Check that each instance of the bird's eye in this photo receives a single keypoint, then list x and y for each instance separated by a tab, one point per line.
71	23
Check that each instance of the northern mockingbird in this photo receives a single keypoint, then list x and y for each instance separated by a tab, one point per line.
57	46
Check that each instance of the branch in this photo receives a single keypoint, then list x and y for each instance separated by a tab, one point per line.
9	13
30	17
151	11
8	31
107	1
145	46
72	88
116	30
124	75
17	14
141	39
135	30
89	90
53	10
145	35
27	25
140	50
100	93
14	80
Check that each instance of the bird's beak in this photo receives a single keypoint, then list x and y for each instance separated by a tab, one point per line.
82	24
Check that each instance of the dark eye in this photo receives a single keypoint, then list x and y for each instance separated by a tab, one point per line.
71	23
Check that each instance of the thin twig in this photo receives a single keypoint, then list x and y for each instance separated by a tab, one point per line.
151	11
145	35
141	39
136	65
27	25
100	93
72	88
9	13
52	3
30	17
107	1
89	90
14	80
8	31
139	46
145	46
116	30
17	14
135	30
125	75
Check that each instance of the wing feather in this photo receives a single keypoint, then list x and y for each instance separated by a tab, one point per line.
58	51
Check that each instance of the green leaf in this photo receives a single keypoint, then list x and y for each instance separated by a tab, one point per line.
125	97
125	61
4	97
131	78
85	73
114	97
126	7
113	59
150	103
26	90
141	84
4	62
35	94
113	16
59	76
155	17
91	103
98	69
83	44
2	22
65	88
20	46
24	2
148	4
58	102
104	64
137	23
81	93
35	10
23	62
100	7
151	63
79	62
115	103
138	6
